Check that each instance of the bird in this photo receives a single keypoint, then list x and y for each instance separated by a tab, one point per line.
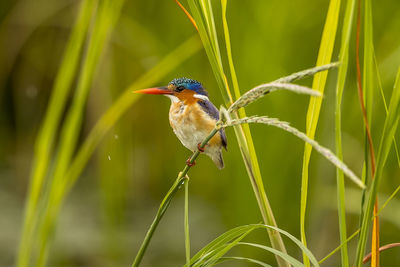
192	117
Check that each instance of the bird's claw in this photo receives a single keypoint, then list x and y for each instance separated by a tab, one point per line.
201	149
190	164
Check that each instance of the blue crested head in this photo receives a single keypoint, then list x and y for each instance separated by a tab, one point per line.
180	84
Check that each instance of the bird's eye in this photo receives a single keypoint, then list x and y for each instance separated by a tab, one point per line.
179	88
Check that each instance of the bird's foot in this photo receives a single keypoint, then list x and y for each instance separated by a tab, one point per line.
201	149
190	164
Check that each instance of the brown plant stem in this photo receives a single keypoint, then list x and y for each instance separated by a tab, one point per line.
385	247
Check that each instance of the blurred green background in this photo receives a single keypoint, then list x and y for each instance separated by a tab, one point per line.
107	214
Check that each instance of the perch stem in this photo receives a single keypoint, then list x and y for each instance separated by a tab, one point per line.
180	180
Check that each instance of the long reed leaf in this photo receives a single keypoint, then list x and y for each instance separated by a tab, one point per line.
46	136
385	105
324	57
341	80
368	90
107	15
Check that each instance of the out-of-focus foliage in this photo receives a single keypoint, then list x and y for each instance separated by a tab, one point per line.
105	217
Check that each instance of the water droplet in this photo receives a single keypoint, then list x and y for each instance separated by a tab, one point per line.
116	136
109	157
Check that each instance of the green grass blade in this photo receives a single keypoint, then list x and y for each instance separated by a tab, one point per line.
160	213
368	66
209	47
385	105
389	198
108	13
47	133
186	223
215	250
389	129
208	12
232	70
221	240
249	260
368	87
324	57
289	259
344	58
215	255
339	247
304	249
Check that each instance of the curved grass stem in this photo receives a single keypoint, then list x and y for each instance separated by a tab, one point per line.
160	213
180	180
186	223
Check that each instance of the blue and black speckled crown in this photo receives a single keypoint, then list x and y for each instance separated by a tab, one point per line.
189	84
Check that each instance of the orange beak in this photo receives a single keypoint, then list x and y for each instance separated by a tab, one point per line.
155	91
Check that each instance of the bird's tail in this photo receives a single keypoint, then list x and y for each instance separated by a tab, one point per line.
218	160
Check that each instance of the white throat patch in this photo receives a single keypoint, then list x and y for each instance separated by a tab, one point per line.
202	97
173	98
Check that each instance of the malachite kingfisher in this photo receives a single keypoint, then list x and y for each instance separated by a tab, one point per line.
192	116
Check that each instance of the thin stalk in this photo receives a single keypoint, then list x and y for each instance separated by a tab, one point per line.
385	247
385	105
160	213
180	180
339	247
186	223
344	58
389	198
367	83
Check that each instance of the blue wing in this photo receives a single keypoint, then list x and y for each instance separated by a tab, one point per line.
213	112
209	108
